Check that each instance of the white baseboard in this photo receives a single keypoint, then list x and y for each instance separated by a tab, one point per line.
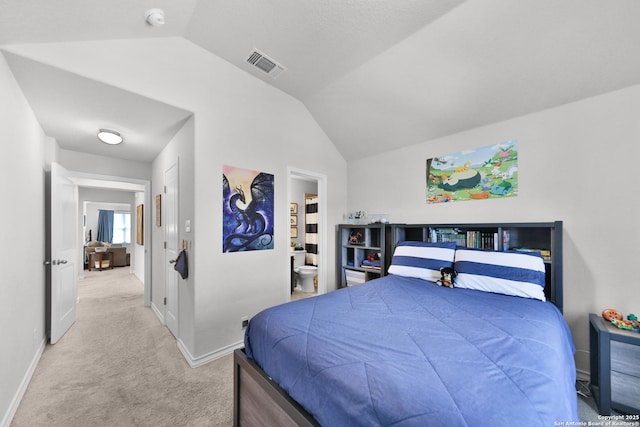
194	362
583	375
17	398
157	312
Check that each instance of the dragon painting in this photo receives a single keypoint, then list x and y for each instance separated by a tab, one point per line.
248	222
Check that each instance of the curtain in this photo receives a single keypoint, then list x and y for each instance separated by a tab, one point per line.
105	226
311	229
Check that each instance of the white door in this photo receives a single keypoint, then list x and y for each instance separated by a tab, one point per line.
170	214
64	252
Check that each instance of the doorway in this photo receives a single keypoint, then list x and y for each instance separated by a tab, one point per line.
141	189
66	242
298	179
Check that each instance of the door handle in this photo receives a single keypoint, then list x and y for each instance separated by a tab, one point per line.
172	261
55	262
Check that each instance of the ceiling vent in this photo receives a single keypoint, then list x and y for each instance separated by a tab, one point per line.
265	64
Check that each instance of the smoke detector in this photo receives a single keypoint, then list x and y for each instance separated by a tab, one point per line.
265	64
154	17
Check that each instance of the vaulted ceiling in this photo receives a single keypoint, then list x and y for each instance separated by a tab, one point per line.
376	74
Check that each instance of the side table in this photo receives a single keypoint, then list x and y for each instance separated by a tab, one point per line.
615	371
100	257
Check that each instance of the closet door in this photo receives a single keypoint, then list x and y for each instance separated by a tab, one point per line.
170	212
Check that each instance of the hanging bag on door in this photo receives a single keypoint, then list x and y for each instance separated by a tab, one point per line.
181	265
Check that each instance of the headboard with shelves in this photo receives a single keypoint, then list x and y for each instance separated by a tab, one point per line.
544	237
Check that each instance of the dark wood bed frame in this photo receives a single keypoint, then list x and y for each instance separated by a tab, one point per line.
260	401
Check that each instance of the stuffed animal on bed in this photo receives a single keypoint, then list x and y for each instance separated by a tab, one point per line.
447	275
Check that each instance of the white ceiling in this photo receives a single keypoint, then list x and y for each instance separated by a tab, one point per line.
376	74
72	109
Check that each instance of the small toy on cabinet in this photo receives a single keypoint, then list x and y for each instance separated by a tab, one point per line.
610	313
614	316
356	238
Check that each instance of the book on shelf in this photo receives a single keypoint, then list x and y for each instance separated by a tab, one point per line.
470	239
544	253
505	240
482	240
370	264
447	235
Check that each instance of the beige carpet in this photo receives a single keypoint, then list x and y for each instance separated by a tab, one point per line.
118	366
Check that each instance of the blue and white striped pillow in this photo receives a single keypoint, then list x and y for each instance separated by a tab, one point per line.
421	259
519	274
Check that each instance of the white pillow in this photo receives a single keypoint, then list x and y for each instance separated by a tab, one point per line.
519	274
421	259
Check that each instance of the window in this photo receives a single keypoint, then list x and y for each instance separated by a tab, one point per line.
121	227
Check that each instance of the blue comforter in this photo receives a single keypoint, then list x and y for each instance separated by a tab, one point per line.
405	352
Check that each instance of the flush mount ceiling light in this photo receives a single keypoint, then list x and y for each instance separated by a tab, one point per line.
154	17
110	137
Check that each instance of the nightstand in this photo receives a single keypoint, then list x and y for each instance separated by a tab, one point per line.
615	367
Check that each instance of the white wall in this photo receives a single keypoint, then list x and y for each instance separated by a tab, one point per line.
22	252
259	128
577	163
240	121
180	149
101	165
119	174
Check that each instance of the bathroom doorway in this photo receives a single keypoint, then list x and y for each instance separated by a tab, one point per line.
308	232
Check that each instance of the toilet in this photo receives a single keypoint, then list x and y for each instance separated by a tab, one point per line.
305	275
298	261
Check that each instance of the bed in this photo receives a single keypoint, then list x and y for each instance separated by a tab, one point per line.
403	351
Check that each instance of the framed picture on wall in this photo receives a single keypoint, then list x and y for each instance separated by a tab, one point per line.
294	232
158	210
247	227
488	172
294	220
294	208
140	225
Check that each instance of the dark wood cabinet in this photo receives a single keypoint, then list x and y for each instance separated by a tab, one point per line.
361	253
543	237
615	367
